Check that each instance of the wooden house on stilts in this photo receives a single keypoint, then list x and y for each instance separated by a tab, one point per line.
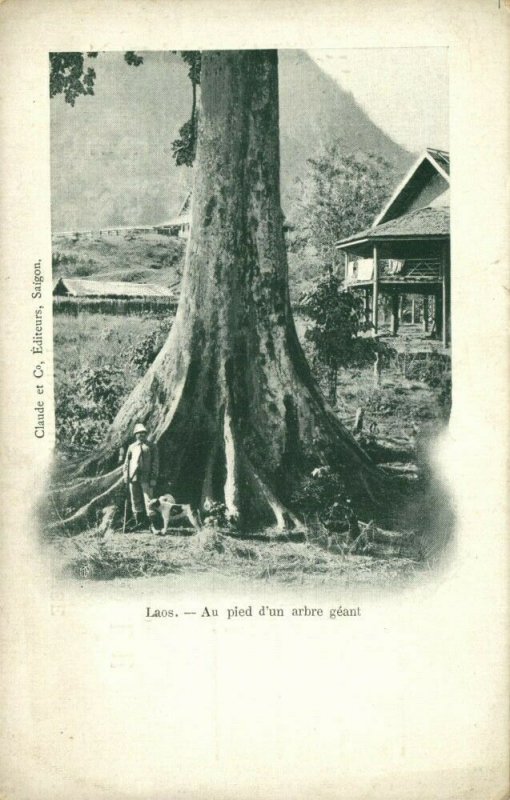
407	249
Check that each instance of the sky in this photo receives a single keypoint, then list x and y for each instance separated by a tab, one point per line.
403	90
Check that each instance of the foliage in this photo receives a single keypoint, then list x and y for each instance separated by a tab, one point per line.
83	270
184	147
70	77
321	497
336	317
60	259
136	276
334	335
340	194
86	403
133	59
216	515
193	58
144	352
71	264
102	387
435	370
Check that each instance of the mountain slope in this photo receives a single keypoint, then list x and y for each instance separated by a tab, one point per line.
315	110
111	161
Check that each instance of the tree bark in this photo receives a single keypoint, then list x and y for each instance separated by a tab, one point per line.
230	399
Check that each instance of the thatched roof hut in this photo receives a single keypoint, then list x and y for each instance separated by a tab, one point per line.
71	295
120	290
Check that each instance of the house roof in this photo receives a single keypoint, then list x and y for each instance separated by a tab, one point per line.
431	163
441	157
77	287
429	221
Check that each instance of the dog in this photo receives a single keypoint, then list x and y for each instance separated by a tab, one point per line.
170	511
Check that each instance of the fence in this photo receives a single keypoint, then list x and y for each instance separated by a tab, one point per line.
102	305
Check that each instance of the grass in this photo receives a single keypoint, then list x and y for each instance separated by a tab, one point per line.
94	556
97	340
141	257
402	416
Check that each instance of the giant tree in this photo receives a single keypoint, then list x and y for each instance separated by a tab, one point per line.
230	399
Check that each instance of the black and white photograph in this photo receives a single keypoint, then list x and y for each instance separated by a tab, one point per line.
252	317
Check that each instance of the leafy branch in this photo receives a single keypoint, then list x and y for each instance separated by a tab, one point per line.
71	77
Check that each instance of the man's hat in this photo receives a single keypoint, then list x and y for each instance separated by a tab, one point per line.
139	428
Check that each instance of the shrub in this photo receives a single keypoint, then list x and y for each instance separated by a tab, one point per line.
321	496
334	334
86	404
83	269
144	352
103	388
71	264
58	260
215	515
133	277
434	369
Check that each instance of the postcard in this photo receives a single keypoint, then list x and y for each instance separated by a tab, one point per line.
255	400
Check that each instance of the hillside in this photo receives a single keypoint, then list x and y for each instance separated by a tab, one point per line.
140	258
325	112
111	160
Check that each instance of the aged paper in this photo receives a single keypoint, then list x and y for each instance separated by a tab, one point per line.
406	701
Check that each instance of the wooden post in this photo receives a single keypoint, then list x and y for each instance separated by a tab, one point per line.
375	295
395	300
366	304
377	369
358	421
445	295
413	309
425	313
438	314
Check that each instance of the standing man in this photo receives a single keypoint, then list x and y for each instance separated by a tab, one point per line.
141	467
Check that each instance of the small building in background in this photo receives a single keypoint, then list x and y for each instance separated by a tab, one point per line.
407	249
179	225
75	295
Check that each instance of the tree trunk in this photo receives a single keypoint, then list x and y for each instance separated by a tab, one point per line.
230	399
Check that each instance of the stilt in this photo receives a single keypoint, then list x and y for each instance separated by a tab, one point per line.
366	304
395	302
426	313
438	314
413	310
445	297
375	301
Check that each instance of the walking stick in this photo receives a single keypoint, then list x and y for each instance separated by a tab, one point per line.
125	514
126	498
